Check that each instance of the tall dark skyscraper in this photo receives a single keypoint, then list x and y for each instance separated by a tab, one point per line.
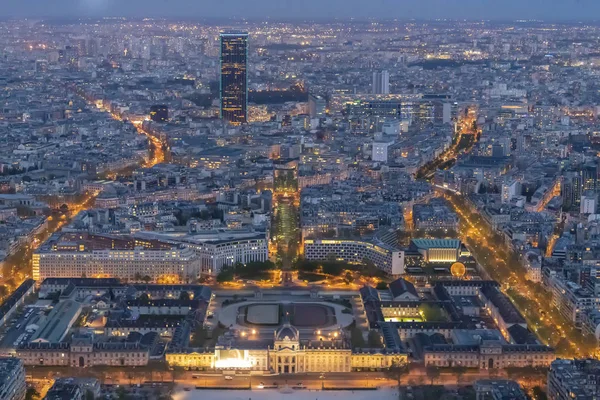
234	77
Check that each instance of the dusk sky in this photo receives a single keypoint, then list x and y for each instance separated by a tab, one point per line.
402	9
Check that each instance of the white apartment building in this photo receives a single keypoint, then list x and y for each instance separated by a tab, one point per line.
380	151
122	263
387	259
571	300
216	249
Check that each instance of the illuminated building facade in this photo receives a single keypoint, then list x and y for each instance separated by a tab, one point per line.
288	355
234	77
216	254
490	355
439	251
104	256
82	354
384	257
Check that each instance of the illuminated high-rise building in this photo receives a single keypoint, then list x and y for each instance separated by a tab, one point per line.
234	77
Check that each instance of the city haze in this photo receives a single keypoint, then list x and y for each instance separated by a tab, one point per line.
551	10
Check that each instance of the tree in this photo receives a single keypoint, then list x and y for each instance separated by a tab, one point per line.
356	338
225	276
137	277
32	394
374	340
184	295
144	297
348	277
146	279
397	370
122	393
431	312
89	395
460	371
382	286
433	373
539	394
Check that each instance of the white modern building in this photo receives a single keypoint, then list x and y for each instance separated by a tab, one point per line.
391	127
510	190
381	82
386	258
438	250
380	150
216	249
589	203
78	256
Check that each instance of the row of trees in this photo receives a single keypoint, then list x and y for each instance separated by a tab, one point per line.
251	270
337	268
358	341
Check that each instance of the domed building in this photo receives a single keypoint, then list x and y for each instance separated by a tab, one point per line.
287	333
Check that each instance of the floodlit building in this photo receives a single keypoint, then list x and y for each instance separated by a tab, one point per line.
288	354
438	250
87	255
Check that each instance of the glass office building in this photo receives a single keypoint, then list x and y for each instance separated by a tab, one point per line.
234	77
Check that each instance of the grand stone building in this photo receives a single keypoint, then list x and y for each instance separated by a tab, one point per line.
83	353
288	355
490	355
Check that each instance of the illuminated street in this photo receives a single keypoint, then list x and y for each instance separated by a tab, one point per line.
285	230
462	143
300	200
501	265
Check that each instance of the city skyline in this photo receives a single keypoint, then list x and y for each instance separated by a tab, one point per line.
269	205
547	10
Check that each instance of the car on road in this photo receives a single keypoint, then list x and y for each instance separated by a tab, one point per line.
261	385
228	378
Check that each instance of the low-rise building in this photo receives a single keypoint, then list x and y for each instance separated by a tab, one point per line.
574	380
12	379
498	389
82	353
77	255
385	257
489	355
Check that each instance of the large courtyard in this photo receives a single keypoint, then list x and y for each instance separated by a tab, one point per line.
301	315
270	312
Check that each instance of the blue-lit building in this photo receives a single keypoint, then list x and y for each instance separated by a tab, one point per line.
234	77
